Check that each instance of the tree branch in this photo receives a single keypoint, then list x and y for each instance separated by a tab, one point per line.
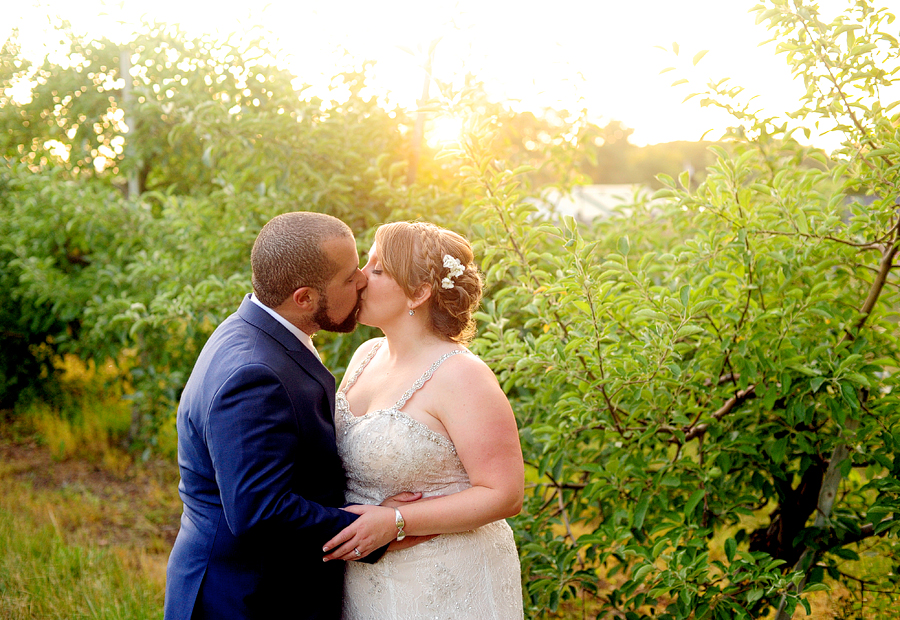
860	246
721	412
866	531
884	269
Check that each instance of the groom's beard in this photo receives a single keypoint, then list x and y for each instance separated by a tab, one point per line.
325	322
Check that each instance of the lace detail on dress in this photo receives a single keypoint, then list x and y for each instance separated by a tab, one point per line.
343	406
471	575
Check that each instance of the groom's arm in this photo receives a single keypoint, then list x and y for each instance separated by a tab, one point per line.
253	440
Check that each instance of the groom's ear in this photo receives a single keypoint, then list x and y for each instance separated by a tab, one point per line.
306	299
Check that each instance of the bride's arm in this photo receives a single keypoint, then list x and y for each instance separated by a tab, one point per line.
472	407
470	404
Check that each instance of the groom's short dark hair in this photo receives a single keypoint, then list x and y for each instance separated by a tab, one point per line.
288	254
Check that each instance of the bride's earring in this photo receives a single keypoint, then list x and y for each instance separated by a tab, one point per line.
411	312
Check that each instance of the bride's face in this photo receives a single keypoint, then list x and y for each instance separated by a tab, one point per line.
382	301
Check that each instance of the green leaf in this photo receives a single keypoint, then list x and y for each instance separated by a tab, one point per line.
640	511
693	501
730	549
699	55
806	370
641	572
800	220
778	449
847	554
848	391
647	313
685	295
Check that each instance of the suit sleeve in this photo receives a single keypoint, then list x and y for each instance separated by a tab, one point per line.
253	440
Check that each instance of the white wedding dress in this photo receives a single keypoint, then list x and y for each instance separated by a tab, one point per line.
469	575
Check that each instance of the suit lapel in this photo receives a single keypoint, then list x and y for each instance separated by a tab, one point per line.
314	367
295	349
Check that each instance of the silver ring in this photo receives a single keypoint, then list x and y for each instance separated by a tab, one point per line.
356	551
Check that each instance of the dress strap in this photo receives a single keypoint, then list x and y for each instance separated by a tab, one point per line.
421	380
362	366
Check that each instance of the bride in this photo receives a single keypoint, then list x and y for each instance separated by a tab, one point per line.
418	412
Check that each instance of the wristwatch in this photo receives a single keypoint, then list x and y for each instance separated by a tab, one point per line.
400	524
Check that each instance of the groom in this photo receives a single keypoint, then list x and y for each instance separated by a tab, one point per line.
261	480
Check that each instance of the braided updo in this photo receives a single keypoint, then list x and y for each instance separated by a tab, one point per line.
412	253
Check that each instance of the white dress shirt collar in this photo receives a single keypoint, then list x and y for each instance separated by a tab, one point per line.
299	333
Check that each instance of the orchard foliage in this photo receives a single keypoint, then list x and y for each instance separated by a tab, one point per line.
706	384
219	142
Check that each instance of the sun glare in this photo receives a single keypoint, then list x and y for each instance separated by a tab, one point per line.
20	91
620	76
445	130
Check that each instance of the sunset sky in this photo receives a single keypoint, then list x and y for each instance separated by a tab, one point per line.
601	55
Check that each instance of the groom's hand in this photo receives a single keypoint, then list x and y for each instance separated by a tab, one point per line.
409	541
399	499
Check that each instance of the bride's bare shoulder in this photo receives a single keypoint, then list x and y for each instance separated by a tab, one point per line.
465	390
466	368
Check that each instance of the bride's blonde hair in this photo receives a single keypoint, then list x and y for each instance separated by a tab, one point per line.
412	253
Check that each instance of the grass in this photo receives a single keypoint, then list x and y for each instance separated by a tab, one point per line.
85	527
77	541
81	541
41	576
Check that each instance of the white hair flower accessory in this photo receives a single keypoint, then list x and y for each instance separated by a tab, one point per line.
456	269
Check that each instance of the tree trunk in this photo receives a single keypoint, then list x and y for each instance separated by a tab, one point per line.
419	130
790	517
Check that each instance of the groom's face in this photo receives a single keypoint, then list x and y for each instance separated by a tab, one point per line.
339	302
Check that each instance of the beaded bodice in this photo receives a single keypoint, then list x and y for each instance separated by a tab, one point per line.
386	451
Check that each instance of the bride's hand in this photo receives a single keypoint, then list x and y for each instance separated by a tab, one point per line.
375	528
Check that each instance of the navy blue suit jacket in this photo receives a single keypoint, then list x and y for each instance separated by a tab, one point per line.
261	479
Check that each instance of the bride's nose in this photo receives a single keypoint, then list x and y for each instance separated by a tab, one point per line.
362	279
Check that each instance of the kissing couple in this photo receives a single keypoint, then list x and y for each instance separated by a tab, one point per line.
382	500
